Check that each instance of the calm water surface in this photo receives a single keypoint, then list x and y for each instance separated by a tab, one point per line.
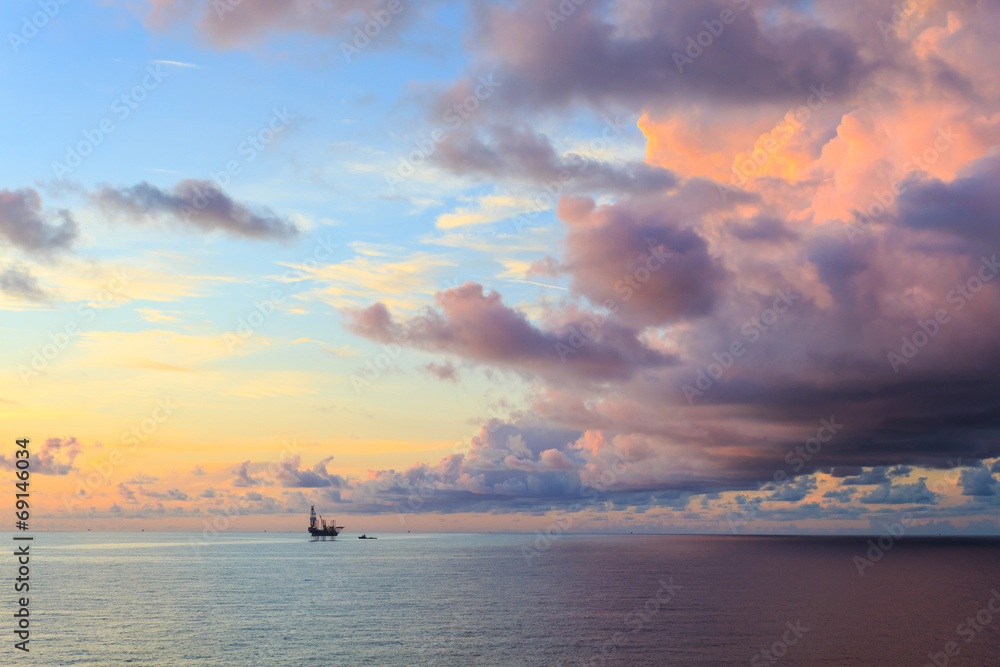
279	599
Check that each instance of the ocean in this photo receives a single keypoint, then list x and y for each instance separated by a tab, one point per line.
444	599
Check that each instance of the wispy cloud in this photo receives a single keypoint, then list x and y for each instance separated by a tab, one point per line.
178	64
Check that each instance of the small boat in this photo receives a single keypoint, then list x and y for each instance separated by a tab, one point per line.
365	537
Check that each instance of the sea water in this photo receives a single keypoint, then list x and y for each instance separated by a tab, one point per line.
445	599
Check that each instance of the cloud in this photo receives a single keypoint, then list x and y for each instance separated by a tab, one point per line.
508	467
874	476
45	460
519	153
342	351
988	526
639	260
245	23
794	491
127	494
25	225
143	479
978	482
290	475
18	282
840	495
54	457
547	267
478	327
442	371
243	477
178	64
196	203
763	230
900	494
605	59
172	494
966	207
376	272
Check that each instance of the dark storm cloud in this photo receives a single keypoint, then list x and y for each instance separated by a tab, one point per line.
978	482
870	477
966	207
26	225
845	471
591	60
196	203
936	418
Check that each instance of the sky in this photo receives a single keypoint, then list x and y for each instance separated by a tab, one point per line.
619	265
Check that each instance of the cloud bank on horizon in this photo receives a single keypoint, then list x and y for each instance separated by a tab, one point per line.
782	315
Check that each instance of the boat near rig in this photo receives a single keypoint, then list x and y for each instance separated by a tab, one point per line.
322	530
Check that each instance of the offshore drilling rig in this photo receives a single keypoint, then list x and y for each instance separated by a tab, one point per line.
323	530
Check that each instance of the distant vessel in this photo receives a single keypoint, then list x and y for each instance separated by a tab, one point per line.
363	536
323	530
